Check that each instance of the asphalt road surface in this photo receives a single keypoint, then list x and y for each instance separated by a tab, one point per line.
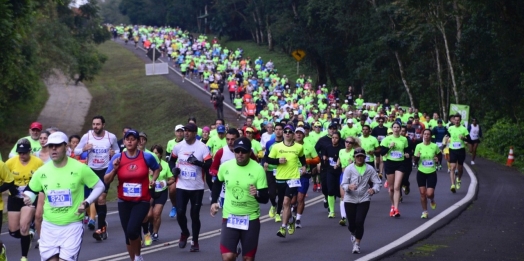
319	239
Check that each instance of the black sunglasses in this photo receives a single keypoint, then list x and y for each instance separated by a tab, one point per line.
288	132
241	151
350	142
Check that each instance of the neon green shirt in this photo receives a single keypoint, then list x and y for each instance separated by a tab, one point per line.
455	142
288	170
35	146
369	143
397	152
345	157
426	163
163	176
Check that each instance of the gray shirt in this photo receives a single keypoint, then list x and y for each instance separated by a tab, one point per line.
352	176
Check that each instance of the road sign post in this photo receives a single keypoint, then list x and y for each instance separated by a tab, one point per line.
156	68
298	54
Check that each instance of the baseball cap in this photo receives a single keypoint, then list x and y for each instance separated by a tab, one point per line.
359	152
57	138
190	127
249	129
307	126
317	124
300	123
133	133
350	112
439	121
300	129
350	121
221	129
36	125
409	122
242	143
179	127
142	134
23	148
289	126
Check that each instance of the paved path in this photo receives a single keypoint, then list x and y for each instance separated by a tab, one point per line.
67	106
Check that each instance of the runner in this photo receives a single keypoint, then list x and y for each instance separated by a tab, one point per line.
346	157
439	132
20	216
287	155
271	171
312	160
394	148
190	155
331	163
34	134
43	153
355	182
407	164
475	133
246	187
426	154
62	183
457	151
179	136
101	145
8	183
320	147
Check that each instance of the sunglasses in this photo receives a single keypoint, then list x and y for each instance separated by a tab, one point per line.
249	132
52	146
23	153
241	151
288	132
350	142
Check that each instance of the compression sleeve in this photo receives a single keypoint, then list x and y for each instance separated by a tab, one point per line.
263	196
302	160
98	189
217	188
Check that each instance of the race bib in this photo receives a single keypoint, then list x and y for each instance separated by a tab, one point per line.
428	163
332	163
238	222
474	136
439	144
187	173
456	145
160	185
20	191
368	158
133	190
293	183
380	138
417	135
59	198
275	172
396	154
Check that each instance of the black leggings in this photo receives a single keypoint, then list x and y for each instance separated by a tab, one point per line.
271	187
131	216
356	215
333	184
209	178
182	198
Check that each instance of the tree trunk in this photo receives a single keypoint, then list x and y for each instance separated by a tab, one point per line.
269	35
458	19
443	104
448	58
260	24
257	35
402	75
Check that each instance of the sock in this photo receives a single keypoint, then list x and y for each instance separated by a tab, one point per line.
331	203
145	227
25	242
342	209
102	212
299	216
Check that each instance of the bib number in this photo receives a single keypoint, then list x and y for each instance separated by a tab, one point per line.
428	163
238	222
293	183
396	154
275	172
132	190
368	158
332	163
380	138
160	185
59	198
456	145
188	174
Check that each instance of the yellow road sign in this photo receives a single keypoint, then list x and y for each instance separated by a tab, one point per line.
298	54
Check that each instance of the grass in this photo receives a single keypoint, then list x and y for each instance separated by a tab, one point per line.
125	96
18	125
485	152
284	62
424	250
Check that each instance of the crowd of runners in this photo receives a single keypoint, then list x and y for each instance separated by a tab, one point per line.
294	135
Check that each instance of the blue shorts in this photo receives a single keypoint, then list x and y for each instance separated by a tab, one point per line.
304	183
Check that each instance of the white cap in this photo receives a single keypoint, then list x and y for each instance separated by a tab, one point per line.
57	138
350	112
179	127
350	121
346	101
300	129
295	112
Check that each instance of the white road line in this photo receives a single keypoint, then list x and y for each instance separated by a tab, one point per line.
209	234
469	196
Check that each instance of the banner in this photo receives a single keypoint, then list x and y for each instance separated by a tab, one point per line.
461	109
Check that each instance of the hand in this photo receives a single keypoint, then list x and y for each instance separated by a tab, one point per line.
82	208
304	171
282	160
391	145
214	209
371	191
336	166
435	159
27	200
152	183
116	164
406	155
418	154
87	147
265	166
371	152
352	186
111	153
252	190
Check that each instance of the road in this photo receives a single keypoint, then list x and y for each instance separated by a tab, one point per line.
320	238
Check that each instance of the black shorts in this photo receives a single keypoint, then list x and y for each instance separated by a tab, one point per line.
457	156
427	180
101	173
229	238
239	110
160	198
15	204
391	166
470	141
284	190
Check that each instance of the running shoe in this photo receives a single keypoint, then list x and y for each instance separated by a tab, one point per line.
433	205
353	238
298	224
277	218
272	211
331	215
291	228
182	242
194	247
406	190
281	232
472	163
32	233
424	215
101	233
154	236
3	255
86	220
23	259
325	204
453	189
147	239
386	184
380	176
342	222
458	183
37	244
356	248
314	187
172	214
139	258
397	213
392	211
91	224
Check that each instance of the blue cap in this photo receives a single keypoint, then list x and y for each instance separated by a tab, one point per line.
133	133
221	129
289	126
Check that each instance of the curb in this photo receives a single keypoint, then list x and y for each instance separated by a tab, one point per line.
426	229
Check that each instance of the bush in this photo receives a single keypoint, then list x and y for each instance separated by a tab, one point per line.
500	137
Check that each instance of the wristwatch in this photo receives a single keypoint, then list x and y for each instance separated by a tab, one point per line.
86	205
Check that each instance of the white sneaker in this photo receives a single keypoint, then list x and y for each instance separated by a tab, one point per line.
353	239
139	258
356	248
472	163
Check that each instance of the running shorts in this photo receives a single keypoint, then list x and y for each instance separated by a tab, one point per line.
62	240
304	182
229	238
101	173
457	156
391	166
284	190
15	204
427	180
161	199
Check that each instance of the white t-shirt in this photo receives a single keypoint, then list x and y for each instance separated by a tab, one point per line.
191	177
